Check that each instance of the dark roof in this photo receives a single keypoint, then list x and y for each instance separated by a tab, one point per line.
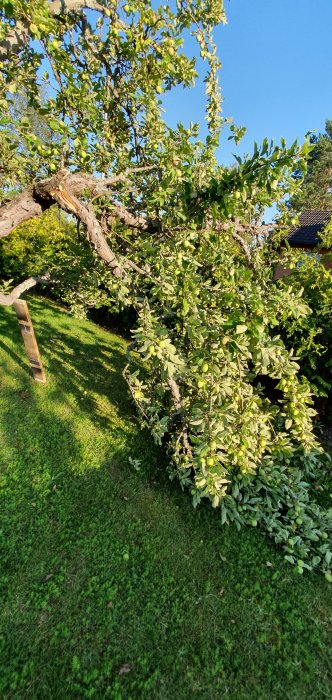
311	223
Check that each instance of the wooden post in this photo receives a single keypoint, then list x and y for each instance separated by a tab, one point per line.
29	338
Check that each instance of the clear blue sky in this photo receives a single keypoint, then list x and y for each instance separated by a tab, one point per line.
276	75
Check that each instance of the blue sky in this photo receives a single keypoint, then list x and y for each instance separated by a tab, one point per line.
276	73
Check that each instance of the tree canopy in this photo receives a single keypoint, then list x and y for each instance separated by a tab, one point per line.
316	191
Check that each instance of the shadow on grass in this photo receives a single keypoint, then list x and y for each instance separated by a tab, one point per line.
112	585
86	369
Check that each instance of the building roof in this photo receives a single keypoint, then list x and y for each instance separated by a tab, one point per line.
311	223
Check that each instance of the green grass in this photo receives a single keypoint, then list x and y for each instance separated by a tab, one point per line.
112	585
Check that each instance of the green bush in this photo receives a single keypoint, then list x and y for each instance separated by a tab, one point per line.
32	247
311	335
52	245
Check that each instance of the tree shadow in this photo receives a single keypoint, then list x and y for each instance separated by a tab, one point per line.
84	377
73	505
89	369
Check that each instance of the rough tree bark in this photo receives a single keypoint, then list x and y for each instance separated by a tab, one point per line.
9	299
20	209
18	37
58	189
64	189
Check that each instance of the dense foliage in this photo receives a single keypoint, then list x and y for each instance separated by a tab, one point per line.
182	245
34	246
219	386
311	335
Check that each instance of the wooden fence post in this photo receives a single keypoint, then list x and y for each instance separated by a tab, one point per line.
29	338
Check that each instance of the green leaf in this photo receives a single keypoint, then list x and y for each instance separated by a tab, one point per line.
241	329
9	9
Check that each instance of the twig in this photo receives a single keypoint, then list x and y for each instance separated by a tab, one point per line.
175	391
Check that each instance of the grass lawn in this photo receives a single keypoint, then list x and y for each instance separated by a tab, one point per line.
112	585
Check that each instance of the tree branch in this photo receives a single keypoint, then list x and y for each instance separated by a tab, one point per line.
243	245
131	220
73	205
176	395
141	271
14	41
77	182
18	37
238	231
63	189
20	209
60	7
8	299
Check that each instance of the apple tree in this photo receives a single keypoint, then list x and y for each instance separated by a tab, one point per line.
180	240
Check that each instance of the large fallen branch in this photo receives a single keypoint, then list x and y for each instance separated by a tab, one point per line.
64	189
84	213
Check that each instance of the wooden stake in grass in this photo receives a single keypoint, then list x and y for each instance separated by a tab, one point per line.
29	338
